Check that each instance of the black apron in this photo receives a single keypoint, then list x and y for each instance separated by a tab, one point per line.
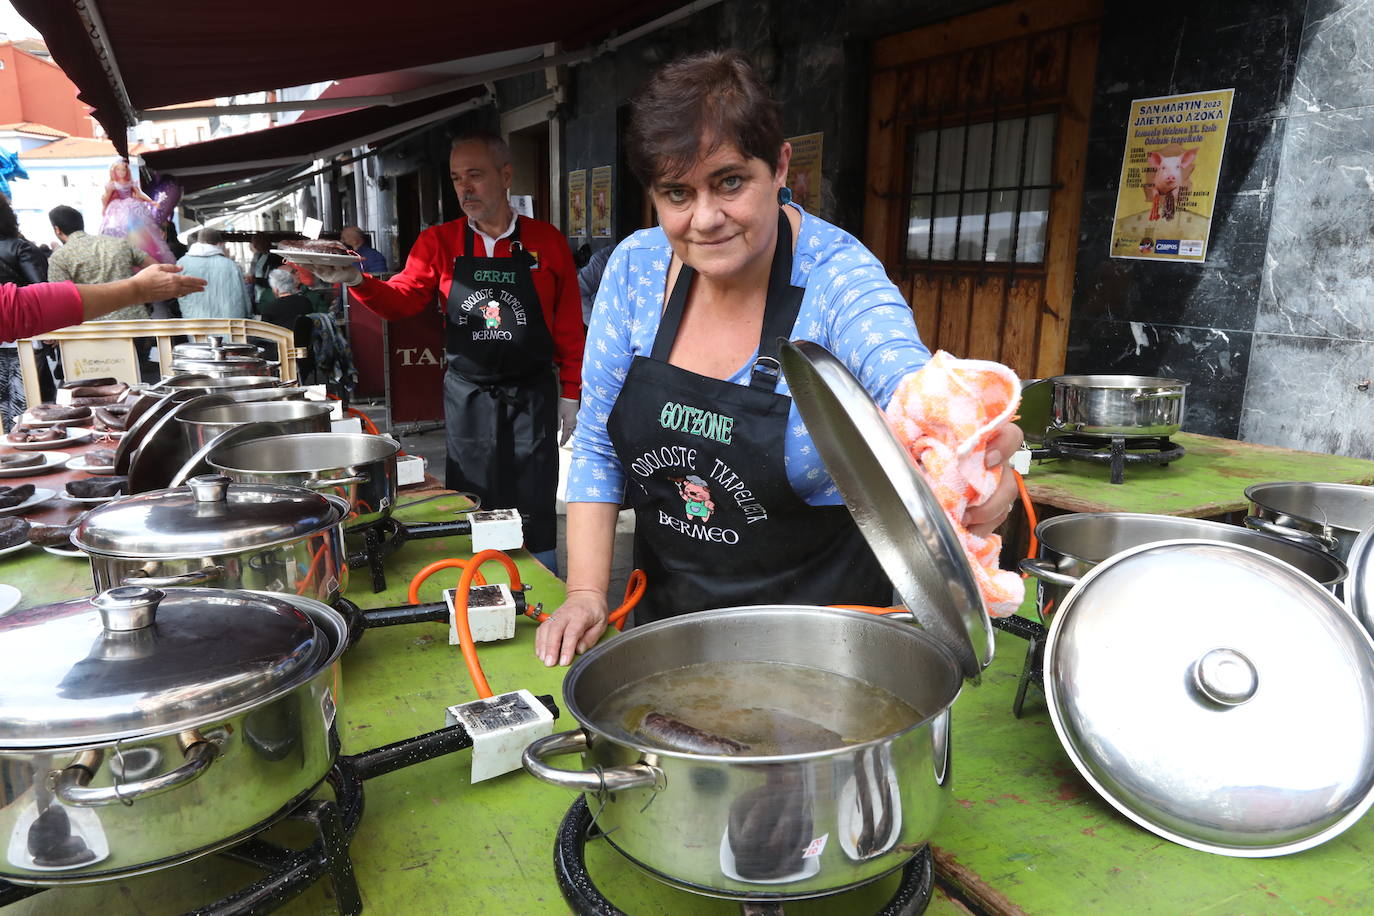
500	390
717	523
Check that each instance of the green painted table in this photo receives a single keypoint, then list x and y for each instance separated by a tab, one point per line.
430	841
1210	480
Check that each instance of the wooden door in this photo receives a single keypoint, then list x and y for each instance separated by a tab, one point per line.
977	135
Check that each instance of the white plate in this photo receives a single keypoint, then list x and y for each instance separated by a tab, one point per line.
103	433
40	495
89	500
64	552
75	436
317	258
79	464
51	462
16	547
9	597
28	420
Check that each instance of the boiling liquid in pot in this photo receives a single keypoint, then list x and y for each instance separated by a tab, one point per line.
773	708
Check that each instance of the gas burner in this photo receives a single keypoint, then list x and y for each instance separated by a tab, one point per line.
1116	451
389	535
291	871
570	866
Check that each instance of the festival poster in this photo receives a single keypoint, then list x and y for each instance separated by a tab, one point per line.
577	203
804	173
601	202
1169	173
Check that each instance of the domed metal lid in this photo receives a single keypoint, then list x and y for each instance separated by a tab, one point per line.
215	347
211	515
891	502
136	660
1216	696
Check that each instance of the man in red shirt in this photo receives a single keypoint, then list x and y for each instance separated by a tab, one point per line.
508	286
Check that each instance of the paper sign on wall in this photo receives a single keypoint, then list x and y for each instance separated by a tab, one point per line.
804	172
601	202
577	203
1168	186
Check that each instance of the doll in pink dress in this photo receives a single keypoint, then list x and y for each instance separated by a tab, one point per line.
128	213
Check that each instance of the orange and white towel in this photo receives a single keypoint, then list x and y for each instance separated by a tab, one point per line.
944	414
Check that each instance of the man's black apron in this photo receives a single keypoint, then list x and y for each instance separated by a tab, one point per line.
500	390
717	523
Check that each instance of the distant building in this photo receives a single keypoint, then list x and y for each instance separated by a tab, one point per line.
71	171
34	89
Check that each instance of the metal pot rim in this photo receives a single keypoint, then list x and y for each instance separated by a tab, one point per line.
1255	493
1117	382
590	657
313	609
394	447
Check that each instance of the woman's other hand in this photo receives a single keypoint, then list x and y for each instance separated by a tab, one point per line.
982	519
574	627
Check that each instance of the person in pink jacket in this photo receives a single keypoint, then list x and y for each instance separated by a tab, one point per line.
27	311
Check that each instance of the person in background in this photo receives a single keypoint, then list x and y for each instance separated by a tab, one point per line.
91	259
589	280
225	294
373	261
686	414
21	264
514	338
289	303
26	311
264	262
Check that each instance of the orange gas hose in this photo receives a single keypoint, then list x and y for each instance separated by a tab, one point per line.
471	574
634	590
1030	515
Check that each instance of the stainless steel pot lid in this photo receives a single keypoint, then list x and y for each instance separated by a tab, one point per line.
1359	588
215	347
209	516
1215	696
136	660
892	504
192	364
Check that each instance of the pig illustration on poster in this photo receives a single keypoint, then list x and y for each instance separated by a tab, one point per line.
1168	179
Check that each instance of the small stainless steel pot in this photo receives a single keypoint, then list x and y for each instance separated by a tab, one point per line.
1131	406
215	347
131	726
225	367
227	535
359	469
1071	545
669	812
284	417
1328	516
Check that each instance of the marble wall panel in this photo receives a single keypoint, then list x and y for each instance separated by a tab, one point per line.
1335	68
1319	272
1311	393
1213	361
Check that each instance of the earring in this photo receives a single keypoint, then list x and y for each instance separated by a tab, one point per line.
784	196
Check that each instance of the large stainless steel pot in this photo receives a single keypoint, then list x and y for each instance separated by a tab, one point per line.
143	728
227	535
1131	406
359	469
1328	516
1071	545
201	425
669	811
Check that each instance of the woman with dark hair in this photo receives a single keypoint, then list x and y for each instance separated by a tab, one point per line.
681	413
21	263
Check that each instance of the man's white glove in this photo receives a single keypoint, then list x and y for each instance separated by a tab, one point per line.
351	275
567	419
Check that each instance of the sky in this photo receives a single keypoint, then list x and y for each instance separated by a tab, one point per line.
13	25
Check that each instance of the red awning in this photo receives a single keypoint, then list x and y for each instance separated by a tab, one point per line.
171	51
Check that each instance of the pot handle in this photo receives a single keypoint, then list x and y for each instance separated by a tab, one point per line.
1164	394
336	482
200	576
1044	571
612	779
72	784
1325	544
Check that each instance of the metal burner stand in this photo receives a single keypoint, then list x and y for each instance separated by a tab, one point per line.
291	871
570	866
389	535
1116	451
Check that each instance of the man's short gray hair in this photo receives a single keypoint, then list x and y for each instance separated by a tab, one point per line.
500	152
284	282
